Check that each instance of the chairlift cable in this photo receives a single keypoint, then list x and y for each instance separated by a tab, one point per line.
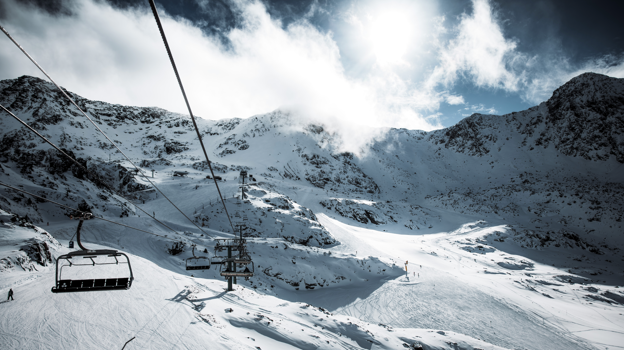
188	106
97	127
82	212
41	136
80	165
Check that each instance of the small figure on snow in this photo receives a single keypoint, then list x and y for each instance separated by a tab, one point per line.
10	295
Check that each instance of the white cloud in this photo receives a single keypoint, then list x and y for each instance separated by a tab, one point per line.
455	99
477	108
559	70
481	52
117	55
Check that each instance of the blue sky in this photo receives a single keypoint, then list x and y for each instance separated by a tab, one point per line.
395	63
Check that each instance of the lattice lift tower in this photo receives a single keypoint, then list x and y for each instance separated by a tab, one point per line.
236	245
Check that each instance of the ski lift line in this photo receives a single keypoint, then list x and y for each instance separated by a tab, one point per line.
97	127
188	106
81	166
42	137
82	212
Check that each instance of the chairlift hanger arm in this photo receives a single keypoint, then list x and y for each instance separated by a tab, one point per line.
82	219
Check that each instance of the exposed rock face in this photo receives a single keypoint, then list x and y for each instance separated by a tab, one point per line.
584	118
35	244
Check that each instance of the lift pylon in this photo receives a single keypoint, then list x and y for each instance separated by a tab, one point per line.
236	248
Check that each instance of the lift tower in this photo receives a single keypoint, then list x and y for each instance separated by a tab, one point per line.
237	254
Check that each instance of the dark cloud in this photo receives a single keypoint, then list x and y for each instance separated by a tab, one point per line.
53	7
582	29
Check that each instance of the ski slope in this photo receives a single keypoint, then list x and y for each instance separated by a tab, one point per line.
470	293
169	309
455	291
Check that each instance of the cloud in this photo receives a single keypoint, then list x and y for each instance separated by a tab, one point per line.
117	55
259	64
481	53
455	100
477	108
559	70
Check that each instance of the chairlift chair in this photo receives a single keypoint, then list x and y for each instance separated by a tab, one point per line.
218	260
90	270
247	272
242	260
197	262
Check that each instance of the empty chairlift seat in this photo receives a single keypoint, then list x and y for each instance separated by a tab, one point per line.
93	270
247	272
198	263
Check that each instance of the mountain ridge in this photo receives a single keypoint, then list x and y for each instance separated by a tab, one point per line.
588	125
306	153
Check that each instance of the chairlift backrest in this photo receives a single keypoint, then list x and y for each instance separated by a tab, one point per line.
92	270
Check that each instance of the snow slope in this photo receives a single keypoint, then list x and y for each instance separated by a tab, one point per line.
511	226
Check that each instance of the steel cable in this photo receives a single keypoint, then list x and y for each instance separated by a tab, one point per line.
97	127
80	211
188	106
80	165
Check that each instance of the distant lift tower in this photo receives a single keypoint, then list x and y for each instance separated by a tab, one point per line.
237	254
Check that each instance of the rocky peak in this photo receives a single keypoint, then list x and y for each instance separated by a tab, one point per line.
589	87
587	115
584	117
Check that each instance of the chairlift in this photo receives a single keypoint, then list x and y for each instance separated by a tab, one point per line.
92	270
243	259
218	260
247	272
197	262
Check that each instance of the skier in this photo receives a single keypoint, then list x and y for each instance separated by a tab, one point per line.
10	295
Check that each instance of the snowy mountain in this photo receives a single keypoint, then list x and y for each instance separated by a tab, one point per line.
513	217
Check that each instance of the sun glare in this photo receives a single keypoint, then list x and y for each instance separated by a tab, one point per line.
389	36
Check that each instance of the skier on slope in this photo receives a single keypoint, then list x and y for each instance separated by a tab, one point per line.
10	295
